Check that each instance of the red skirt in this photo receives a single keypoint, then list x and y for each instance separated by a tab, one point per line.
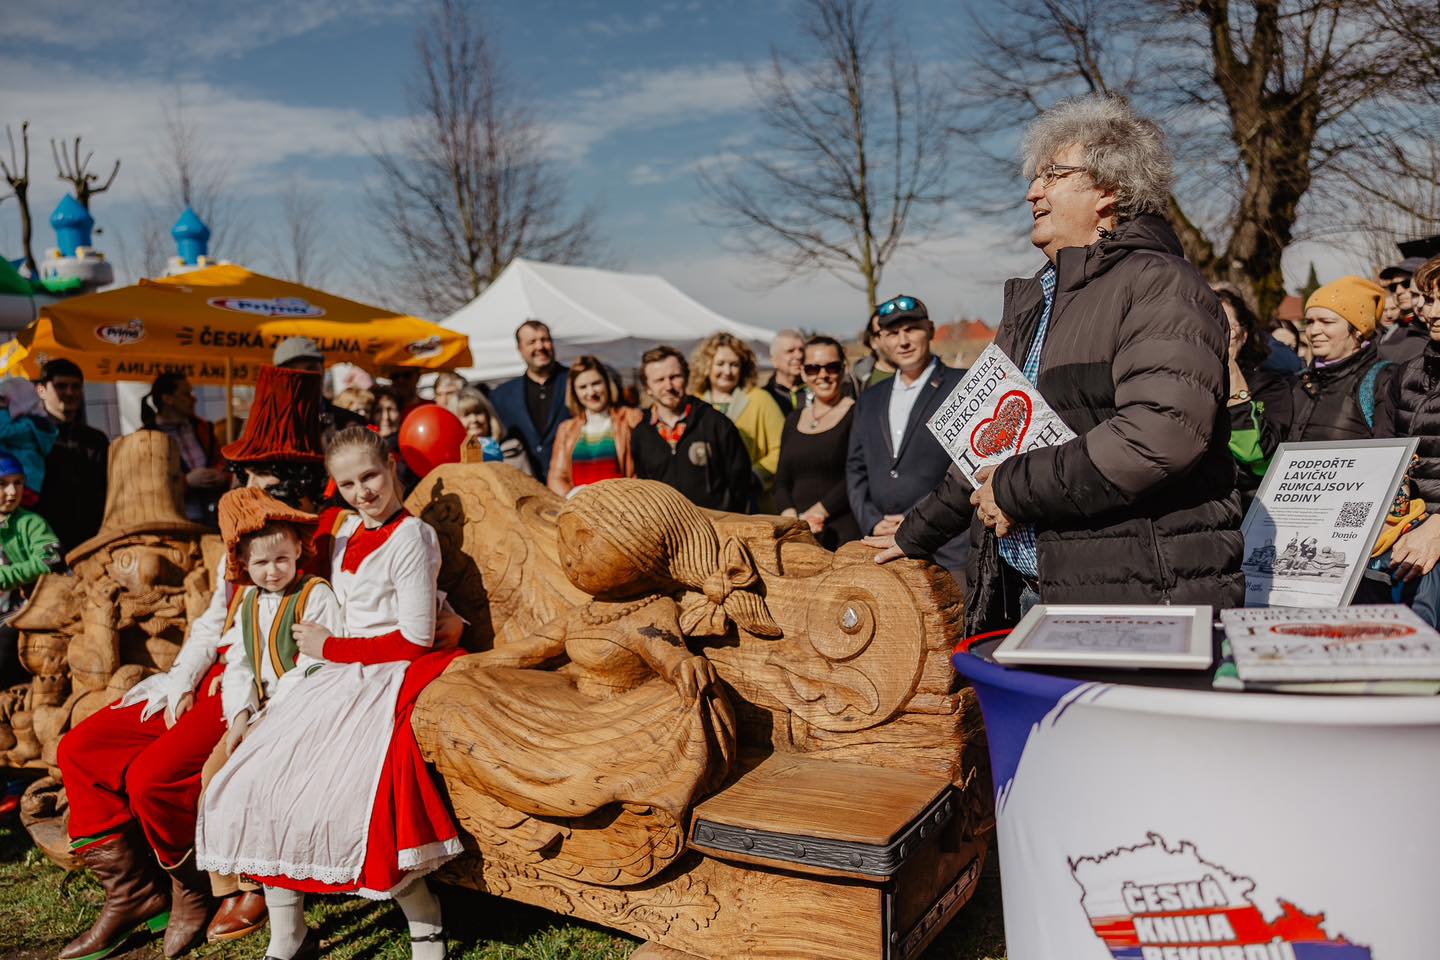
411	828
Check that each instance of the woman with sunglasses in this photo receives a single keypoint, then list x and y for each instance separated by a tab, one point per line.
723	374
811	473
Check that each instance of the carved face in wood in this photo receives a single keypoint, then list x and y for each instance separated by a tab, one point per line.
141	566
593	563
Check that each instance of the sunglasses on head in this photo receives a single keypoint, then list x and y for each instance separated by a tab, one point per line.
896	303
834	368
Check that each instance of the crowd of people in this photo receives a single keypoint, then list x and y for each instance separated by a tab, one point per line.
1177	392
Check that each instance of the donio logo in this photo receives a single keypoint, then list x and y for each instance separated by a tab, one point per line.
269	306
1158	902
122	334
429	347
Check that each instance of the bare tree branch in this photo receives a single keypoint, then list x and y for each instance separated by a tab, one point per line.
853	167
72	169
469	188
1283	113
17	175
299	249
193	174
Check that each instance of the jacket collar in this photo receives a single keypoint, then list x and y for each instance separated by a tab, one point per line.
1077	266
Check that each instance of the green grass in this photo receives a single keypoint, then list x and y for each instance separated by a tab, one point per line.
41	909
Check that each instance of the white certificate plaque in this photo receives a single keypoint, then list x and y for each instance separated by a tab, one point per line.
1111	635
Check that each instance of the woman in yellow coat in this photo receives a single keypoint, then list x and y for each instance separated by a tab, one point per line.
723	373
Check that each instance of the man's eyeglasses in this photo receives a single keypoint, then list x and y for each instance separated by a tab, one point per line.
1048	174
896	303
815	369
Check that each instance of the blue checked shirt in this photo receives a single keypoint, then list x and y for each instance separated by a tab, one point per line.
1018	549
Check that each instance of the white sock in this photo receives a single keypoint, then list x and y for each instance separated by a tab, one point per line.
287	922
422	913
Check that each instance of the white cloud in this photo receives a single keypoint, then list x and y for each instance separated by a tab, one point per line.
121	115
170	33
619	25
962	275
647	100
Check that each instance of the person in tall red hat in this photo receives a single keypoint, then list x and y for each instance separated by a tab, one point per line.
132	773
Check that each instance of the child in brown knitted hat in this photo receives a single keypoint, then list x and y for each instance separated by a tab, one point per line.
268	545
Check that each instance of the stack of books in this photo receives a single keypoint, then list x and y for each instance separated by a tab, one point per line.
1377	648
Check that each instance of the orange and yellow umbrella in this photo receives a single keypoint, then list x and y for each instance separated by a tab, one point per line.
219	325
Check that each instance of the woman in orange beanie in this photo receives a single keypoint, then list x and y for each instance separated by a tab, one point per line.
1334	398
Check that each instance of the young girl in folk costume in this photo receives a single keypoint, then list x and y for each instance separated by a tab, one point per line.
333	759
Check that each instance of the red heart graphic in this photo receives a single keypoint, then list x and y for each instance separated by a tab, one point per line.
1346	632
1006	429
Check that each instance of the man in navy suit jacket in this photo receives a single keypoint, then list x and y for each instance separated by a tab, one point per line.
894	459
532	406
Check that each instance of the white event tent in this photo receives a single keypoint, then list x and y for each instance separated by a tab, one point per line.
614	316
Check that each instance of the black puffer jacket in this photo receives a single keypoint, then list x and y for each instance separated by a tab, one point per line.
1141	506
1410	407
1328	403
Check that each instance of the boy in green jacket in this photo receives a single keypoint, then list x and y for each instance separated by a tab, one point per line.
28	548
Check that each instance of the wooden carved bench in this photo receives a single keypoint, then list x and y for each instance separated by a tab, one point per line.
850	820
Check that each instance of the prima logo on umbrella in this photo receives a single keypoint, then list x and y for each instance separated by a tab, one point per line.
122	334
420	349
291	307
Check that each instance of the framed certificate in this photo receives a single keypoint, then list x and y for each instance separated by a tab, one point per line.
1111	635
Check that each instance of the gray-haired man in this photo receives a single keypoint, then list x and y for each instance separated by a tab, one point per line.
1127	343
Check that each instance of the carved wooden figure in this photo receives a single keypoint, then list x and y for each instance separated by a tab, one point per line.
90	635
731	742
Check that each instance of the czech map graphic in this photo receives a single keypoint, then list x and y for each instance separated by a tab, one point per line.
1158	902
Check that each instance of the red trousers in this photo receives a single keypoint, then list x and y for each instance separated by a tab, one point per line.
118	768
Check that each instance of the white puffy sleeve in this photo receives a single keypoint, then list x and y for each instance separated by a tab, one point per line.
415	563
322	607
237	684
196	656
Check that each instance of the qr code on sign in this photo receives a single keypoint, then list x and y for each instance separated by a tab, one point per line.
1353	513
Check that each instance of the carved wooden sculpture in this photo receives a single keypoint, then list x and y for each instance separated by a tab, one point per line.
122	612
595	763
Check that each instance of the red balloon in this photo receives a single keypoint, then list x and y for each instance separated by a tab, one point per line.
429	436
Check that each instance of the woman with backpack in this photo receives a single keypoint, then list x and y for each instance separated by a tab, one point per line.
1334	398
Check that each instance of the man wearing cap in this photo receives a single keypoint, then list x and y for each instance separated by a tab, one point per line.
302	353
894	459
1402	335
72	496
1334	399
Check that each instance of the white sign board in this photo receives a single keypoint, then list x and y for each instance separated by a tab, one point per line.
993	414
1309	533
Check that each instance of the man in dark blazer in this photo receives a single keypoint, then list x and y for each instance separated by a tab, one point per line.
894	459
532	406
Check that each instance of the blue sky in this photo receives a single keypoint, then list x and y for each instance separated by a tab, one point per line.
634	97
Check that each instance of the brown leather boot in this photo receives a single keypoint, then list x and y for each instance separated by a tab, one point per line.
189	906
239	916
132	897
